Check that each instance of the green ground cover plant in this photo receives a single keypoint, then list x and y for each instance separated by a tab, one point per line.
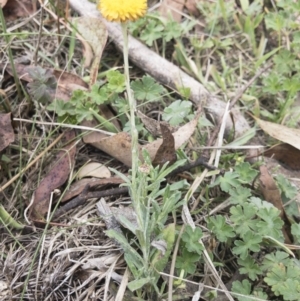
165	251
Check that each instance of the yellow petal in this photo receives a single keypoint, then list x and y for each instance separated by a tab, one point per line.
122	10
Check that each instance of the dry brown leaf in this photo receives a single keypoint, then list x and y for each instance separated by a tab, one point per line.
272	194
94	31
21	71
166	152
57	176
15	9
281	132
94	169
285	153
119	145
153	126
63	78
181	136
7	135
92	137
173	7
191	6
66	82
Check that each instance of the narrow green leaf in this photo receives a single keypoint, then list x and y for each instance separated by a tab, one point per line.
7	220
135	257
138	283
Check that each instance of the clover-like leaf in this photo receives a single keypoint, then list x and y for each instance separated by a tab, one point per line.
242	288
226	182
177	111
172	30
217	224
290	289
98	96
274	258
187	261
288	190
61	107
191	238
242	217
116	81
271	223
42	85
240	195
284	280
250	242
146	89
152	32
246	173
249	267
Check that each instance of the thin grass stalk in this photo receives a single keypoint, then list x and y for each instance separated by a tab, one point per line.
10	55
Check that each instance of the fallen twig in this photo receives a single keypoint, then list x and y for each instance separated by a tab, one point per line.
82	197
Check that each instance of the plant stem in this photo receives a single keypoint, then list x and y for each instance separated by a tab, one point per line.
136	182
104	122
132	108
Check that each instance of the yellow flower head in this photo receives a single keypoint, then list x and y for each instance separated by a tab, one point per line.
122	10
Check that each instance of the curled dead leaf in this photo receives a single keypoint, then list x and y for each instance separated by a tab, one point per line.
57	176
285	153
181	136
166	152
67	82
94	169
152	125
119	145
14	9
281	132
272	194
